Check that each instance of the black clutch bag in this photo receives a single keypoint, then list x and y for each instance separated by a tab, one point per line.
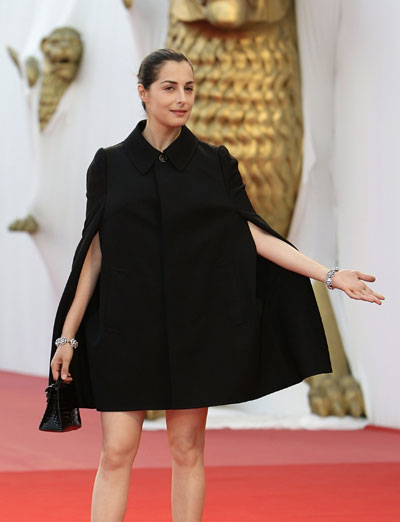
61	413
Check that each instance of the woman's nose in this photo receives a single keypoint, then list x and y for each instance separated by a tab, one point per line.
181	96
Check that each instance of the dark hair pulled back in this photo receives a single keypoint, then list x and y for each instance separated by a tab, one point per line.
152	63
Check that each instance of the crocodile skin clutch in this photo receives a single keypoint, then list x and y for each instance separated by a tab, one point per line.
61	414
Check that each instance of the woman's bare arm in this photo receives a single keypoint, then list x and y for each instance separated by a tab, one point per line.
84	290
283	254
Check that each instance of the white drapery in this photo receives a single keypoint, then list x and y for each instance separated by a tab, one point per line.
45	173
347	212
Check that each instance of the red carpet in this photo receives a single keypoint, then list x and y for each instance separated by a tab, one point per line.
348	492
252	475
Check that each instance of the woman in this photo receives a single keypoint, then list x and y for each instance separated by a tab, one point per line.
182	296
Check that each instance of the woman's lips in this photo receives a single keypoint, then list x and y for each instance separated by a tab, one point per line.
179	113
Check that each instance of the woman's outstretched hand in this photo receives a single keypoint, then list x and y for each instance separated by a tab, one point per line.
283	254
351	282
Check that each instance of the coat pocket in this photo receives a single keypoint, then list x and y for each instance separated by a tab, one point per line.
116	298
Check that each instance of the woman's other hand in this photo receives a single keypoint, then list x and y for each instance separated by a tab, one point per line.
351	282
61	361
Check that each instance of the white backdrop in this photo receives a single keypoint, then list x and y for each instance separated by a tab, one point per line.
347	209
45	173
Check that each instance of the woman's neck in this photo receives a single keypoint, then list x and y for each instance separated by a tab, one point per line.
159	136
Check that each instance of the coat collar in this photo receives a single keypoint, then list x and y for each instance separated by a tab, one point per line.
143	155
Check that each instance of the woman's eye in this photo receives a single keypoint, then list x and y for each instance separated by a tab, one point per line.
171	88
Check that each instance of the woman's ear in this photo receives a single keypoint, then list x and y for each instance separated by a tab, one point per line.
142	92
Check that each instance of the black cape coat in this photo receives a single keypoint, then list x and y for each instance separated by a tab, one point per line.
185	312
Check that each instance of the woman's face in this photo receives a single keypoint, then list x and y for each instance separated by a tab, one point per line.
169	99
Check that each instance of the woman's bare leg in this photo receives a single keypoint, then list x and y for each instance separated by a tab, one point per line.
121	437
186	437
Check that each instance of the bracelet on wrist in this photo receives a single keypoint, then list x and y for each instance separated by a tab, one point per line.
63	340
329	276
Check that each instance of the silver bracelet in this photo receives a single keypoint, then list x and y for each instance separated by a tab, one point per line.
63	340
329	276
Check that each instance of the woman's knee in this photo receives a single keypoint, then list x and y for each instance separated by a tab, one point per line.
121	437
116	456
186	449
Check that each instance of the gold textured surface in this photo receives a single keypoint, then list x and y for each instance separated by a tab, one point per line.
32	70
26	224
62	51
338	393
13	54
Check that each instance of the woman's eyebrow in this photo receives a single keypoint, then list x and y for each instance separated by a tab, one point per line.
174	82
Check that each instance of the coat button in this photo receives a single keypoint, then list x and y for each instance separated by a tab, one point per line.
162	157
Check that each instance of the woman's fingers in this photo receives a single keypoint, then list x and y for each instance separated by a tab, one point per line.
364	294
370	297
60	365
369	291
65	370
367	295
371	278
65	374
55	369
366	277
378	296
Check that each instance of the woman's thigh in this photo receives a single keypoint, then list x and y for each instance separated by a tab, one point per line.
121	431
